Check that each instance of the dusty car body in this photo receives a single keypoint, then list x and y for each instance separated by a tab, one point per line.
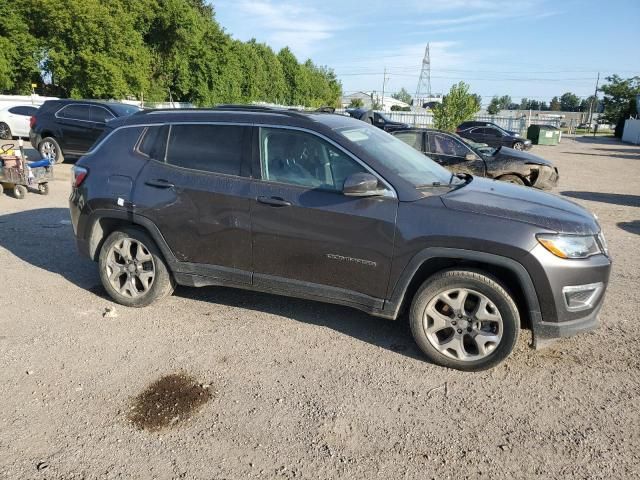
462	156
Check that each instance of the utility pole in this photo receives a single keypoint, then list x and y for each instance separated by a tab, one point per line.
595	99
384	81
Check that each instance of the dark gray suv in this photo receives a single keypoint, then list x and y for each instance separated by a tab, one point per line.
326	207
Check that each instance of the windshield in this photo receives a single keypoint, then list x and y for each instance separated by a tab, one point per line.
403	160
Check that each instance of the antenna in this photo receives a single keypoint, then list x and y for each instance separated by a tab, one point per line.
423	91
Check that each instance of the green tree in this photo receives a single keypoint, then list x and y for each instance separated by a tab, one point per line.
554	105
569	102
356	103
494	106
403	96
619	100
18	50
456	107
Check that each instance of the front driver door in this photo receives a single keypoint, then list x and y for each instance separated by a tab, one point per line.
308	236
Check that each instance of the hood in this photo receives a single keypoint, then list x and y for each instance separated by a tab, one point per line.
522	204
505	153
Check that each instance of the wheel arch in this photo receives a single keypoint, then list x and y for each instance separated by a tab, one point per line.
103	223
520	175
511	274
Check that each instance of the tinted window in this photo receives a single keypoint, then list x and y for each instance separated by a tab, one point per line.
413	139
23	110
446	145
100	114
300	158
153	142
122	109
210	148
76	112
494	132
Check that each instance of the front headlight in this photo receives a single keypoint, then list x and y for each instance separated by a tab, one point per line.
570	246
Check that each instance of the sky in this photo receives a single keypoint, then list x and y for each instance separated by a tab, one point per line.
522	48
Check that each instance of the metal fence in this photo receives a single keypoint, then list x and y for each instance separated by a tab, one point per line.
514	124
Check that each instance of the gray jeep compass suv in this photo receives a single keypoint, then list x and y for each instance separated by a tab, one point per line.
326	207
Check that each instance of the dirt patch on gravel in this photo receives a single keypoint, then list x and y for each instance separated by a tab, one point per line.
167	402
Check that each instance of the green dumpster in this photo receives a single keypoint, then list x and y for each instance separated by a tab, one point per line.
543	135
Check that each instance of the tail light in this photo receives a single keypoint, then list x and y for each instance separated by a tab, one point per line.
32	121
78	175
458	130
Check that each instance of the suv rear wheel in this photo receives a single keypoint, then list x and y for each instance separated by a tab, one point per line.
132	269
49	148
464	319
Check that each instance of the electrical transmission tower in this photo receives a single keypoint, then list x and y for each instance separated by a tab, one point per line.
423	91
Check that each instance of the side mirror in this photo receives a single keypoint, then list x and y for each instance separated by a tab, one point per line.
469	157
361	185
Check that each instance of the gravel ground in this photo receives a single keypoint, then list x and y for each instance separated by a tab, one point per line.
300	389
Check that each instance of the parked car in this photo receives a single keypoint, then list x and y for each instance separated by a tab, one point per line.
68	128
480	123
328	208
460	155
14	121
376	118
495	137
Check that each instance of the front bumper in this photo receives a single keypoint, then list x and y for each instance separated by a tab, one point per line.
552	276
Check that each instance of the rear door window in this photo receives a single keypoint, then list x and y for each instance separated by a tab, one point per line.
23	110
413	139
76	112
208	148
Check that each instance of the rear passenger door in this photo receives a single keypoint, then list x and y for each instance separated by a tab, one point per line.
196	188
76	127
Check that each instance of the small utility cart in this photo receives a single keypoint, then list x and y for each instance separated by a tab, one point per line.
17	174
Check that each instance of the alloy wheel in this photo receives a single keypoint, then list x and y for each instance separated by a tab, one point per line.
48	150
463	324
130	268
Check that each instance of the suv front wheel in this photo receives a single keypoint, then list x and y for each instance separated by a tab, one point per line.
464	319
132	269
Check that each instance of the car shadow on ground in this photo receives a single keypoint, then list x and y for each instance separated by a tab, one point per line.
631	227
44	238
613	198
625	156
601	139
388	334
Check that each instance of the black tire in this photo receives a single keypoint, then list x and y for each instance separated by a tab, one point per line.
5	131
162	284
515	179
43	188
20	191
518	146
50	148
474	281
